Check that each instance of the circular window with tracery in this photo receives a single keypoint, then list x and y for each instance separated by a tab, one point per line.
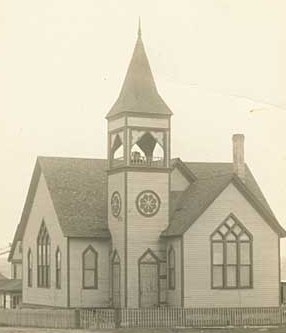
115	204
148	203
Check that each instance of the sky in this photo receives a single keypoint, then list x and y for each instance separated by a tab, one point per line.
218	64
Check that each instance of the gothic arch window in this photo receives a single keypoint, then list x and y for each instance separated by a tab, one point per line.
90	268
58	268
116	271
30	268
171	268
44	254
231	256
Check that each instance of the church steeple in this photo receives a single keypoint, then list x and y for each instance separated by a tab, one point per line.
139	27
139	92
138	170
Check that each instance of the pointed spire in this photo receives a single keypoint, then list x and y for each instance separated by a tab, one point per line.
139	93
139	28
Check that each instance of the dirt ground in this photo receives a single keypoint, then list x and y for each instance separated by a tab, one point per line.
189	330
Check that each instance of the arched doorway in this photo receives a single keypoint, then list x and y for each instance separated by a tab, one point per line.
148	266
116	280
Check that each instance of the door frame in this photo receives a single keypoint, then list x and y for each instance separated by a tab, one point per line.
155	263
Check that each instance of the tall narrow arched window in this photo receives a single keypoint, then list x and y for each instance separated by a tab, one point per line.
58	269
44	254
89	263
231	256
171	268
30	268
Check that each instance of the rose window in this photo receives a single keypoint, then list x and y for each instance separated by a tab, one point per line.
115	204
148	203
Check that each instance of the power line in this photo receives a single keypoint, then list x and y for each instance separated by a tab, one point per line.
5	252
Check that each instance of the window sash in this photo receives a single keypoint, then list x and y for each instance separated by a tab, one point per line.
231	269
43	258
58	269
171	269
90	266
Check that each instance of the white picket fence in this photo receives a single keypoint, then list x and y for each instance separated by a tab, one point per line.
165	317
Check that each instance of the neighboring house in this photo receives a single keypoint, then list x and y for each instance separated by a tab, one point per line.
141	229
10	292
15	255
3	279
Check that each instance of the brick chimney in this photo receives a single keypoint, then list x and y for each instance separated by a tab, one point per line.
238	156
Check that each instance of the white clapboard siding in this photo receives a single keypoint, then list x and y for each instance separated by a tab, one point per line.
43	209
197	260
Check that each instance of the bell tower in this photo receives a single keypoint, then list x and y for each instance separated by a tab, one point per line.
138	183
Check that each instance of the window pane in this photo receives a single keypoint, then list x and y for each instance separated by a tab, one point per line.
245	253
40	254
48	254
231	237
171	278
89	278
44	254
236	229
230	222
217	253
231	253
244	236
58	278
89	259
217	236
231	276
217	276
171	258
58	259
245	276
223	229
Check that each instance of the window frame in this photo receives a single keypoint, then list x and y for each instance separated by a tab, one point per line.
95	269
43	257
171	270
238	265
58	268
30	268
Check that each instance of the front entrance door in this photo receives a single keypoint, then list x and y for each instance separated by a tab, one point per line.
148	280
116	280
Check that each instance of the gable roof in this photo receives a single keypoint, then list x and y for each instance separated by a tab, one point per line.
139	92
212	179
78	189
11	286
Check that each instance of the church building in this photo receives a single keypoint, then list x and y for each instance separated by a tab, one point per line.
143	229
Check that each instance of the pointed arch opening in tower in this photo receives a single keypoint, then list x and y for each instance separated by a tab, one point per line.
147	148
117	150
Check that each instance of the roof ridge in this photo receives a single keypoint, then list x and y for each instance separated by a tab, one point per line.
71	158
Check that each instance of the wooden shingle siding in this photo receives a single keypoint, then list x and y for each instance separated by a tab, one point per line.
144	232
81	297
198	292
43	209
117	225
178	181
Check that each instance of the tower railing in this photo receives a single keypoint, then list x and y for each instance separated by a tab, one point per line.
140	161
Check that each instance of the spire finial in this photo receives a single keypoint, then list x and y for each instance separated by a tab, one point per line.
139	27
